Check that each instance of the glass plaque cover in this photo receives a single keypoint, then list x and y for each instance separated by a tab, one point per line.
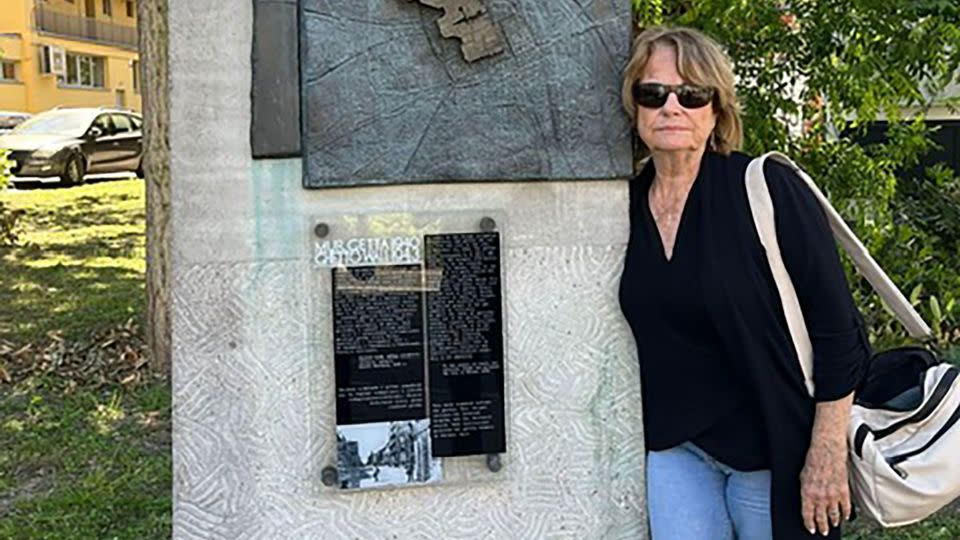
418	348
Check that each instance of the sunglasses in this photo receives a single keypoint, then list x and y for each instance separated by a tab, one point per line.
654	95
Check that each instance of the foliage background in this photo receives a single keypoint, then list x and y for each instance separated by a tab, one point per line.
812	76
9	217
8	220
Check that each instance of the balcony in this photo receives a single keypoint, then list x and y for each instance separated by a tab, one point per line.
87	29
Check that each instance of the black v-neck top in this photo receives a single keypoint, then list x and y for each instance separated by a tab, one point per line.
692	389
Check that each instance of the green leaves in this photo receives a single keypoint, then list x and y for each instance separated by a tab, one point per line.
813	75
648	12
4	169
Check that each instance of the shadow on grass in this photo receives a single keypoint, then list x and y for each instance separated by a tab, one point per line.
79	267
26	185
88	211
122	245
87	464
77	300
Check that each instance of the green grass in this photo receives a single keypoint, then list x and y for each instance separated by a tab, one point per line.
944	525
81	263
91	464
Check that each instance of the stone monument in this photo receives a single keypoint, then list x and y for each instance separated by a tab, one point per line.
398	231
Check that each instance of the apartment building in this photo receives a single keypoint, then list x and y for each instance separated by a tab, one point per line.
70	53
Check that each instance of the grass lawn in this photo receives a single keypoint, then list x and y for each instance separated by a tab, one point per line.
79	462
81	264
91	464
944	525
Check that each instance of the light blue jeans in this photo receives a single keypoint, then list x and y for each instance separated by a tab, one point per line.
691	496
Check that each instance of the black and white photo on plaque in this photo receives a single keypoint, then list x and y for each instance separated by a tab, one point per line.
383	454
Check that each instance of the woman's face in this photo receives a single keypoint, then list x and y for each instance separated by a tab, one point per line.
671	128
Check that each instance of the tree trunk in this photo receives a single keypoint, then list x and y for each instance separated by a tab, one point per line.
152	23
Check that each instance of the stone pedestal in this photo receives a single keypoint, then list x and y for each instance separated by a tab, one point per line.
251	433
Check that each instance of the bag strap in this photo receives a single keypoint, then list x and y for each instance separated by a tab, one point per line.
761	206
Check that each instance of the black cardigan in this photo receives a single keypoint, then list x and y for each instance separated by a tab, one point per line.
742	304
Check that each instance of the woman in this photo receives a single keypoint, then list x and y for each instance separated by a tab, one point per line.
737	448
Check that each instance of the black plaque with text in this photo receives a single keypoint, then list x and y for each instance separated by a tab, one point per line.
465	343
378	343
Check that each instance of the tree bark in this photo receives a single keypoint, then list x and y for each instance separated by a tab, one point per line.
154	62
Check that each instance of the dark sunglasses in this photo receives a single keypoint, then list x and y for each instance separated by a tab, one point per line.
654	95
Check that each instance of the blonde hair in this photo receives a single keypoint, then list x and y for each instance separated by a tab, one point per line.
700	61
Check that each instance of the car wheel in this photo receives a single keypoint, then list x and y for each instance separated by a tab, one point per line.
139	171
73	172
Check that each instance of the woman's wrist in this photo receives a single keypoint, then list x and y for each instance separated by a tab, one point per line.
831	420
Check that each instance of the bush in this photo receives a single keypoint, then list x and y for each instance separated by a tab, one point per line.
812	76
4	169
9	217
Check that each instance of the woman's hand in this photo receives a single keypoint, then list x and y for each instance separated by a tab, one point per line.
824	486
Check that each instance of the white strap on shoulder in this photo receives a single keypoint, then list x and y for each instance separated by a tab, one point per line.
761	205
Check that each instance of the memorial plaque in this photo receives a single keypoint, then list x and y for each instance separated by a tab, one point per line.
418	346
382	425
465	343
386	98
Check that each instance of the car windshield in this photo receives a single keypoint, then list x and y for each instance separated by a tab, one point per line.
56	123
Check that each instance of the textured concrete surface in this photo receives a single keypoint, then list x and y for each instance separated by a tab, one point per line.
252	372
387	99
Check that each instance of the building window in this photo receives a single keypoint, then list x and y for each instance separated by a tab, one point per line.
135	66
52	60
84	71
44	59
8	71
131	8
108	8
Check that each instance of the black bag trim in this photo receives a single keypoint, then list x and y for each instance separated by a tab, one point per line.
858	439
939	394
936	398
896	460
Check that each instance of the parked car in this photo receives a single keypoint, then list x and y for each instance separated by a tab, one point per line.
10	120
65	145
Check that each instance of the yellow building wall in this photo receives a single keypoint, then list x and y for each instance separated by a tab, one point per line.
36	92
10	47
14	16
14	25
13	97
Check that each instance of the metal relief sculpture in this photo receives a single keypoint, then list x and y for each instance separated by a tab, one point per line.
468	21
388	98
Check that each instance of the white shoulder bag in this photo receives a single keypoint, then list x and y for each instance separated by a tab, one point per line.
904	435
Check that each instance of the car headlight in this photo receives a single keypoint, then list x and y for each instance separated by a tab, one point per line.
44	154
